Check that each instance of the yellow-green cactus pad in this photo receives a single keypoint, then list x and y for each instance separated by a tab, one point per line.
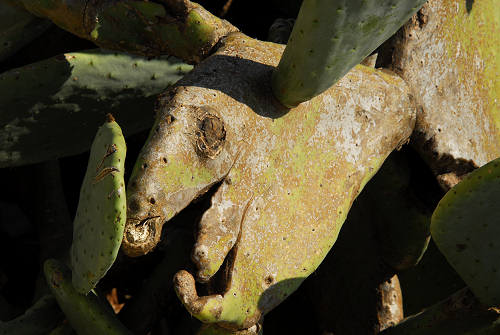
101	213
466	227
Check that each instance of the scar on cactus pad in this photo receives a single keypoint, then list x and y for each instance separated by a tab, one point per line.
101	213
466	226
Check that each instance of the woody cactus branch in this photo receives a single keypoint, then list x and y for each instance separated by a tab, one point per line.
150	28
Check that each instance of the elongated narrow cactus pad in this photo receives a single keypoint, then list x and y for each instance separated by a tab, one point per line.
101	213
51	109
466	227
288	178
41	318
17	28
329	38
86	314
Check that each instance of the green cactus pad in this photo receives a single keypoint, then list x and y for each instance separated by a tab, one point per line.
101	213
465	227
329	38
17	28
51	108
86	314
43	316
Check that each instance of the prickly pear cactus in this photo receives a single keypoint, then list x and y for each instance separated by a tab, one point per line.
101	213
86	314
77	89
465	228
42	317
329	38
269	224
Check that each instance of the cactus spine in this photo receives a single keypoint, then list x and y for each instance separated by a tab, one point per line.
101	213
465	228
329	38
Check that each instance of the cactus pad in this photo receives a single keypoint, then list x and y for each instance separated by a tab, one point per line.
37	320
77	90
331	37
101	213
465	227
86	314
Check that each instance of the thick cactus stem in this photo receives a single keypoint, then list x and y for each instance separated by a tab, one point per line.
41	318
51	109
465	229
86	314
179	28
101	213
329	38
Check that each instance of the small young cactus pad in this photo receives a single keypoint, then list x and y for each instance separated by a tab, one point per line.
101	213
329	38
465	227
86	314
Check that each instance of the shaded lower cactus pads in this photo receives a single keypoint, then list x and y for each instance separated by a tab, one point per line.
77	90
466	226
86	314
329	38
101	213
17	28
42	317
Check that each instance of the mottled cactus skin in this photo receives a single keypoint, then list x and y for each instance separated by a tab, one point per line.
329	38
43	316
101	213
17	28
86	314
276	168
77	90
465	229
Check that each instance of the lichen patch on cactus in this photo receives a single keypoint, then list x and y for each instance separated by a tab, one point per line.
452	64
269	213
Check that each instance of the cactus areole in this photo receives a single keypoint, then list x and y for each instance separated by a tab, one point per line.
329	38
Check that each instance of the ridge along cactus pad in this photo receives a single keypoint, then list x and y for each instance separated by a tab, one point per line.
466	226
101	213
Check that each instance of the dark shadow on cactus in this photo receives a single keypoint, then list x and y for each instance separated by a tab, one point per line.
468	5
277	292
246	81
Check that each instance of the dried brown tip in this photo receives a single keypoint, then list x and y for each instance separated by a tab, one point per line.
110	118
